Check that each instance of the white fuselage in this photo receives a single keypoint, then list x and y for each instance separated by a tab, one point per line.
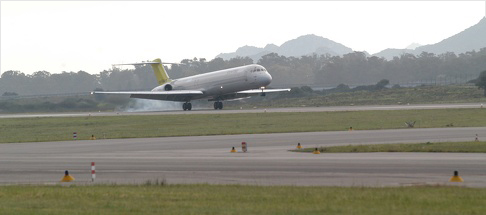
214	84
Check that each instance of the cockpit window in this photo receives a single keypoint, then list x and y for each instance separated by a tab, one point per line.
256	69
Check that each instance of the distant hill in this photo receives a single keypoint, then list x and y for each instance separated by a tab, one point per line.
472	38
413	46
303	45
390	53
242	52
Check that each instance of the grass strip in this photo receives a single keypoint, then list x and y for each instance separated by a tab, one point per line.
240	199
472	147
414	95
137	126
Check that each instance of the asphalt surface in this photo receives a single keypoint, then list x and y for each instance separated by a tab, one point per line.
257	110
207	159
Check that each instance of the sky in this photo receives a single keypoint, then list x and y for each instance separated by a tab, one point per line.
58	36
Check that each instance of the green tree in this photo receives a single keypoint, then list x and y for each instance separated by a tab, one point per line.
307	89
10	94
481	81
382	84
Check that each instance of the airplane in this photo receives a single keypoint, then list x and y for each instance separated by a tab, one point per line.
217	86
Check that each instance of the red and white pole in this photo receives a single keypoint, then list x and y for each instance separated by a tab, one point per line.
93	171
75	135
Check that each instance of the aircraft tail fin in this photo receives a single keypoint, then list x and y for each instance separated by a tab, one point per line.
159	71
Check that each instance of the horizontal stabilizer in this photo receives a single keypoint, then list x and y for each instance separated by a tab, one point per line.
143	63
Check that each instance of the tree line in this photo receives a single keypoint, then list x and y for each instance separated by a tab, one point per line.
314	70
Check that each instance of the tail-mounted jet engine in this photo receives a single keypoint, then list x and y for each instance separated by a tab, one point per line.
167	87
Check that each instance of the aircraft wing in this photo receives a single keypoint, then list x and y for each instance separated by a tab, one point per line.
171	92
263	91
172	95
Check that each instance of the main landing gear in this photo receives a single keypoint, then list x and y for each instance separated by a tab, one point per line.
187	106
218	105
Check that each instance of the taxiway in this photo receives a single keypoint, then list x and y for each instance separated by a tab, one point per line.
207	159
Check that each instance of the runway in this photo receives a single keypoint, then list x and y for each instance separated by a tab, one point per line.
257	110
207	159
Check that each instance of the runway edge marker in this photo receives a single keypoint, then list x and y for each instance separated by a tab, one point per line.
93	172
456	177
67	177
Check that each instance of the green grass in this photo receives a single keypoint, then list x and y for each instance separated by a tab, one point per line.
58	129
472	147
416	95
240	199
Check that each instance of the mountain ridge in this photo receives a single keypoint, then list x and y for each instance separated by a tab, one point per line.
472	38
303	45
464	41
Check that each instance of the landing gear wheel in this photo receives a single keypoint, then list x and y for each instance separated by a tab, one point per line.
187	106
218	105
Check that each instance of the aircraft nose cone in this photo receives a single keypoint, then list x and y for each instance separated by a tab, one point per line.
267	79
